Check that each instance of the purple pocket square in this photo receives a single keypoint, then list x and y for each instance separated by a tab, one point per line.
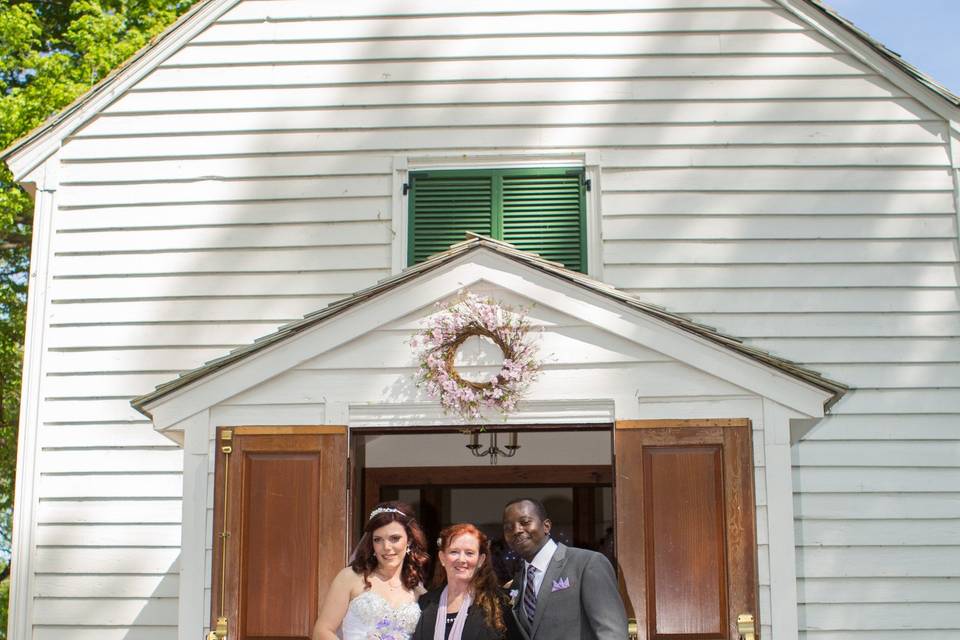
560	584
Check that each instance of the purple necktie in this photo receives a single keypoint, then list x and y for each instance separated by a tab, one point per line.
530	593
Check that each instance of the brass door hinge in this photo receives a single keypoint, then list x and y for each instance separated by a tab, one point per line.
226	440
746	626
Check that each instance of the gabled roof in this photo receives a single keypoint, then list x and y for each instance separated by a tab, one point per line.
475	243
26	153
888	53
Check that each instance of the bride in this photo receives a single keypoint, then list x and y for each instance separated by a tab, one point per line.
375	598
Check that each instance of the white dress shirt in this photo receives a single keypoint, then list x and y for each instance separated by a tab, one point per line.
541	561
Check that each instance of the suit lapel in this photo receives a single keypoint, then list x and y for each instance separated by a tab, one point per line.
554	570
517	610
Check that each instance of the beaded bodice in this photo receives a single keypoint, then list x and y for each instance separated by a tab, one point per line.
370	617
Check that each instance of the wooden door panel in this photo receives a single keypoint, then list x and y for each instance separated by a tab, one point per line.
284	490
279	543
685	541
685	527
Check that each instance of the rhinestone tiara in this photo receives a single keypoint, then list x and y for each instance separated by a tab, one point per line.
380	510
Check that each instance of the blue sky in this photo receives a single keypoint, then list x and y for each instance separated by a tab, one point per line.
926	33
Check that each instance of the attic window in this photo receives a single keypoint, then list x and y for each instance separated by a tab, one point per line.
542	210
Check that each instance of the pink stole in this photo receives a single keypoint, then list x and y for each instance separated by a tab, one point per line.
457	631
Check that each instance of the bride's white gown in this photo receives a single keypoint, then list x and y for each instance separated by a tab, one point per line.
370	617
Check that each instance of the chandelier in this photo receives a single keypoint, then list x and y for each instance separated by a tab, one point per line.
493	450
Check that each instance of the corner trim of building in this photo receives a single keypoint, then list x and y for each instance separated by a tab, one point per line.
23	547
192	607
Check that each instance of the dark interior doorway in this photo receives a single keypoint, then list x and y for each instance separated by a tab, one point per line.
579	499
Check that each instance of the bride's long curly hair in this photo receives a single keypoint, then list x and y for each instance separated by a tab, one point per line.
486	589
364	560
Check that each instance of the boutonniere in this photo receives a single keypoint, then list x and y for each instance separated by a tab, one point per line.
514	594
560	584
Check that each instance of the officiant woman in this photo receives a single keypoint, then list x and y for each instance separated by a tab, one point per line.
466	601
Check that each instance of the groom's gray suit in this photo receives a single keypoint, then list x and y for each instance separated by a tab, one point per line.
578	599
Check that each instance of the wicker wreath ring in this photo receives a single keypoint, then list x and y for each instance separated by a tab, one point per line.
437	342
450	353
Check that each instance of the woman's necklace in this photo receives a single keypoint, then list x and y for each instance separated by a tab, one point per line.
393	586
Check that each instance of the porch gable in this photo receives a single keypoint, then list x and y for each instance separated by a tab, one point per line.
483	263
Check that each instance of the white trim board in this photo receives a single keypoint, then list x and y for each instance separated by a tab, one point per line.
555	412
20	622
192	611
778	468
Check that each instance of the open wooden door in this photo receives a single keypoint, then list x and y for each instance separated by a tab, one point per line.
279	528
686	540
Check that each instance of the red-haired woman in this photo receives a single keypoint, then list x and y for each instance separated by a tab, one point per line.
376	596
466	601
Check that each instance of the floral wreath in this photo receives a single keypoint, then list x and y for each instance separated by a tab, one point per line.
437	343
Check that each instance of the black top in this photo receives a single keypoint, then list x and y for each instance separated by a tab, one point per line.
475	627
451	618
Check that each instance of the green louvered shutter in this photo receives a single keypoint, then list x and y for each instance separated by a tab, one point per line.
543	213
537	210
444	206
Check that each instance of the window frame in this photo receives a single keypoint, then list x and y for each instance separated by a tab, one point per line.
497	198
589	162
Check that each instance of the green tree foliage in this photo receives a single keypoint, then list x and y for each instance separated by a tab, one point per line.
51	52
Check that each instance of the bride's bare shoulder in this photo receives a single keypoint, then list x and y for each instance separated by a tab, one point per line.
350	581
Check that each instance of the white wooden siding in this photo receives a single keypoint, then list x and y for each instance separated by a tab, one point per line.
753	175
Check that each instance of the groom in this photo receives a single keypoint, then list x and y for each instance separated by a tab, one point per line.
560	593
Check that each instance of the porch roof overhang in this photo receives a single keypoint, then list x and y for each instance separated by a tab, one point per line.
482	259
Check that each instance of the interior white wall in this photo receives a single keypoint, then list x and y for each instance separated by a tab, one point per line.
448	449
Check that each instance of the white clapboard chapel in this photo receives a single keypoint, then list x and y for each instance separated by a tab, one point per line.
731	224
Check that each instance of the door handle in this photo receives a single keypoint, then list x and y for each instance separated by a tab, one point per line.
746	627
633	631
